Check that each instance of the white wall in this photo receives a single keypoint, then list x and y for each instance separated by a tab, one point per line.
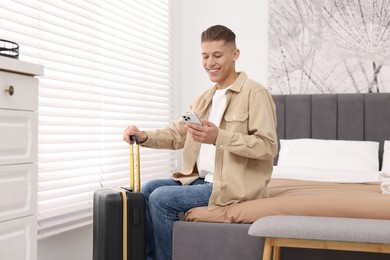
248	19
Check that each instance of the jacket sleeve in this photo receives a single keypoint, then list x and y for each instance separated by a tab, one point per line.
260	141
172	137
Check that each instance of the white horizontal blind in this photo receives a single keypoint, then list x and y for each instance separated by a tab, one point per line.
107	64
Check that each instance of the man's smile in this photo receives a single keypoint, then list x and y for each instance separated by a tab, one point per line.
213	71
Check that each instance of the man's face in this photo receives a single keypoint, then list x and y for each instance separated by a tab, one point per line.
218	59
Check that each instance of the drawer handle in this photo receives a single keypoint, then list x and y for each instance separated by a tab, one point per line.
10	90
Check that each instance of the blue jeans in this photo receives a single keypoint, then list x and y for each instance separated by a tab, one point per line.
164	200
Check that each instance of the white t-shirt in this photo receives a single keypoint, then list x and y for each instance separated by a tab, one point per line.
206	158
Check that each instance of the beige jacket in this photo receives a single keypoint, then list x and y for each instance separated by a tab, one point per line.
246	143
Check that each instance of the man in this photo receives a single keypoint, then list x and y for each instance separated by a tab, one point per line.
226	160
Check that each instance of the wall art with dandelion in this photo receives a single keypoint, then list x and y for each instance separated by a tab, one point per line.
329	46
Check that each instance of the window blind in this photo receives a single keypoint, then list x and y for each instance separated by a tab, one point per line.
107	64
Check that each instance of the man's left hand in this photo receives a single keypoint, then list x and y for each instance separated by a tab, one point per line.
206	133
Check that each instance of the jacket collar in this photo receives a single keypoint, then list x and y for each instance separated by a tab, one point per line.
208	96
237	85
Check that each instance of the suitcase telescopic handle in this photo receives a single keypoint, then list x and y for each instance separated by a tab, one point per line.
133	187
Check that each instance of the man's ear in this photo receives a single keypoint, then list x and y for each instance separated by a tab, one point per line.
236	54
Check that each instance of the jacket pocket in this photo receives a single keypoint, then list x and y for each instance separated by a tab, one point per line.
237	122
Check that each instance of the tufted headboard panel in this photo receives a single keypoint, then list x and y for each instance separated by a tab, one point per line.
334	116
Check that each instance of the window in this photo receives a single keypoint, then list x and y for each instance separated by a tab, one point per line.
107	64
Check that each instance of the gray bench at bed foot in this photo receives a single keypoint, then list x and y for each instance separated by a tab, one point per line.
215	241
369	235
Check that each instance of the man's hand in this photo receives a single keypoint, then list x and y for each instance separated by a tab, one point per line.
206	133
133	130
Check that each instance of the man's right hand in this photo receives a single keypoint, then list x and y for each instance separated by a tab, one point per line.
133	130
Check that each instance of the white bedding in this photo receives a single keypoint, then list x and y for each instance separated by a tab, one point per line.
329	154
325	175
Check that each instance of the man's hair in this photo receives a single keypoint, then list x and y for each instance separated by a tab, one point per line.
217	33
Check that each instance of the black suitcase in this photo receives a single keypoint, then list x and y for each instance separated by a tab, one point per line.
119	219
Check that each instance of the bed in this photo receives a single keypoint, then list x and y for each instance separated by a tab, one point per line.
348	118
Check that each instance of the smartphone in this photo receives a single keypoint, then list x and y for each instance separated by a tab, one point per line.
191	118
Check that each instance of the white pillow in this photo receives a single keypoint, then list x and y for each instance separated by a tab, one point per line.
386	157
330	154
324	175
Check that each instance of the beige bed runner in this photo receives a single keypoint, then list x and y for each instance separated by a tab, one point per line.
305	198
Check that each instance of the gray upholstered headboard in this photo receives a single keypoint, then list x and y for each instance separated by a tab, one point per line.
334	116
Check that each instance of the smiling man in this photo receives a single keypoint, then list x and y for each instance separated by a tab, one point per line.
227	159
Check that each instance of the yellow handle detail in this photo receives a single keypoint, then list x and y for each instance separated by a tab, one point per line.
135	186
131	167
138	170
124	240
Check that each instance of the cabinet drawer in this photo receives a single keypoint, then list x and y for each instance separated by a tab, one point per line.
18	137
25	91
18	239
18	190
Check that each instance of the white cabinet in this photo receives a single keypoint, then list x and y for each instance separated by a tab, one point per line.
19	136
18	191
25	91
18	158
18	238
